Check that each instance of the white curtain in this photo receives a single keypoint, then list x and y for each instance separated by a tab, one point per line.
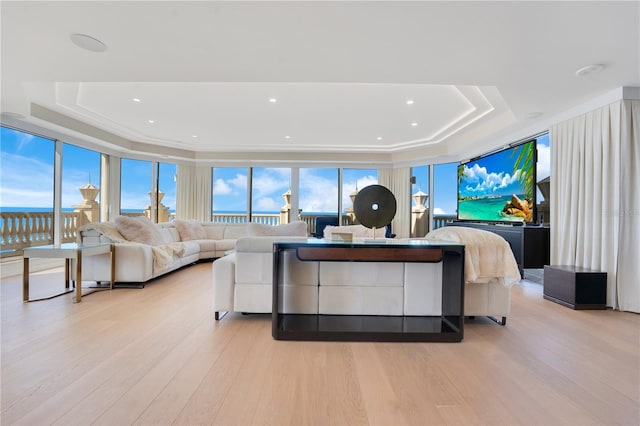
398	181
193	193
595	198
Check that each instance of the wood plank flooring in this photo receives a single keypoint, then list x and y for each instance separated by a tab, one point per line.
156	356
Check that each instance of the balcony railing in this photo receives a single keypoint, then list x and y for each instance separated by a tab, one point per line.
265	219
25	229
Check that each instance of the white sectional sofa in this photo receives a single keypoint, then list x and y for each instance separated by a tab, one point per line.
146	251
242	282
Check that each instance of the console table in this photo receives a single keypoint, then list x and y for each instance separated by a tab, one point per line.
448	327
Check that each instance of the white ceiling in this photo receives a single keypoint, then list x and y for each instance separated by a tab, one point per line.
341	72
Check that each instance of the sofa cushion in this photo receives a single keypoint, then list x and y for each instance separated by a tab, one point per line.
190	248
207	245
233	231
139	229
214	231
225	245
169	235
190	230
294	229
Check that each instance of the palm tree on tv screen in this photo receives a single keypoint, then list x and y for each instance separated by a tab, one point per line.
524	162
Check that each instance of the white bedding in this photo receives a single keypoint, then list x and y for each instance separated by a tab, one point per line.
488	256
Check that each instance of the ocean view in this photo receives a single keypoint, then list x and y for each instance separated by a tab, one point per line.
485	209
50	209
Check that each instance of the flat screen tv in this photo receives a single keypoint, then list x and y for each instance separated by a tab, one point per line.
500	186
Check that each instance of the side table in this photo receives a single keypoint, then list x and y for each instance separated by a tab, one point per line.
69	252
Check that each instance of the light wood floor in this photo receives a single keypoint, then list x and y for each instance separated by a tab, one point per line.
156	356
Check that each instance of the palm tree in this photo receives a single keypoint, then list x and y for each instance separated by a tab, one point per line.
525	162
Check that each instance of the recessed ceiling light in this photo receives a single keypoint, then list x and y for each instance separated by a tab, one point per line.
379	138
410	102
194	136
88	43
273	100
151	121
589	69
414	124
287	137
136	100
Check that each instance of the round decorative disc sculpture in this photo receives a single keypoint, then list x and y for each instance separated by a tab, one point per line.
374	206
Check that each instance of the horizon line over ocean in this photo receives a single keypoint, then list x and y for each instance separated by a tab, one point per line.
11	209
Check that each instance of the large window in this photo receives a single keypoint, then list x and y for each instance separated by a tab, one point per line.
318	197
270	190
445	193
26	190
318	194
543	171
135	187
138	189
420	201
229	194
80	185
166	206
353	180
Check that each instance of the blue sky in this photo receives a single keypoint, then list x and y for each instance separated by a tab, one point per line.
318	188
493	175
26	180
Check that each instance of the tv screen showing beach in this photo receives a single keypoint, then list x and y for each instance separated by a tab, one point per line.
499	187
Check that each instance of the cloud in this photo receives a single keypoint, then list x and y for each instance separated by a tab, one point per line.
438	210
318	193
269	182
267	204
220	187
349	187
23	139
239	182
133	200
477	179
25	182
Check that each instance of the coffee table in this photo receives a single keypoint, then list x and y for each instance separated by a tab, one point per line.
69	252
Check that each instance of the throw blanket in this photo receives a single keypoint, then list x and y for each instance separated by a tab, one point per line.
487	255
163	255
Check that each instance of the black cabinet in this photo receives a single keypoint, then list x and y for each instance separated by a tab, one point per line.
529	244
575	287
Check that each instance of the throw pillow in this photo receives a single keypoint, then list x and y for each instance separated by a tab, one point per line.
190	230
295	229
139	229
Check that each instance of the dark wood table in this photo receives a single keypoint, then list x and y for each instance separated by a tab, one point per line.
447	327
